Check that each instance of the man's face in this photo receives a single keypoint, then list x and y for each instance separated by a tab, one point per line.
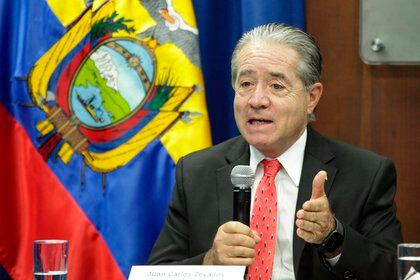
271	103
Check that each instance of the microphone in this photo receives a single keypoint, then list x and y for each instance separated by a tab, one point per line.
242	178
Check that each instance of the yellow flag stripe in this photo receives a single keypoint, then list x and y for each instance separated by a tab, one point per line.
67	12
185	9
184	138
141	20
96	4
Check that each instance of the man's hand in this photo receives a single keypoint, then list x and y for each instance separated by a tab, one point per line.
234	244
315	221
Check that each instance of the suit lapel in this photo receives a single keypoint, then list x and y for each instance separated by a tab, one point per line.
317	156
238	155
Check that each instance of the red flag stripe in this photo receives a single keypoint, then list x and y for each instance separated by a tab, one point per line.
35	205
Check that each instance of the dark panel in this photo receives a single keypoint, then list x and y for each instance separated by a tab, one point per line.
396	134
331	23
377	107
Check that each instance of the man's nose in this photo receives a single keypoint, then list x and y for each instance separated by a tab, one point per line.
259	98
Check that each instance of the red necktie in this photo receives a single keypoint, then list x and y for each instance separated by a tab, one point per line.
264	221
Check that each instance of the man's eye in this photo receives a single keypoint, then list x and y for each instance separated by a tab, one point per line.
277	86
245	84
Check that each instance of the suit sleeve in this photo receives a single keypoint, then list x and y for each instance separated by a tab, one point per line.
369	252
172	245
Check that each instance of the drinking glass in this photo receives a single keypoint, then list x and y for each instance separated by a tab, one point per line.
50	259
409	261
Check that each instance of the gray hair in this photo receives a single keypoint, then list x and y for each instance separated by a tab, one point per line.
310	64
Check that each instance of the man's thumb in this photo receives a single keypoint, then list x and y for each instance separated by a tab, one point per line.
318	184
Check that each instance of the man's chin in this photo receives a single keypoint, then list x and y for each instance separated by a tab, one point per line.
261	145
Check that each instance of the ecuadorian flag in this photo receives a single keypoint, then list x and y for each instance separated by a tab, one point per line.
99	99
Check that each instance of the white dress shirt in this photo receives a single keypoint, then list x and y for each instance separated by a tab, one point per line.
287	183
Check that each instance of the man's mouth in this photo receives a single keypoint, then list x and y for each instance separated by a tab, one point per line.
259	121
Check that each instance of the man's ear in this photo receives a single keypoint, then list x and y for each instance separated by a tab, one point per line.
315	93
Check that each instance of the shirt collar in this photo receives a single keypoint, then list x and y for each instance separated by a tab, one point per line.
291	159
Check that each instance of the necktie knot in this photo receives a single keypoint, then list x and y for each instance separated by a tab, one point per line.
271	167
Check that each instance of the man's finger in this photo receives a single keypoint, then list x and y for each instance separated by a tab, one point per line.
306	235
257	237
236	227
315	205
308	226
318	185
240	252
238	261
309	216
238	239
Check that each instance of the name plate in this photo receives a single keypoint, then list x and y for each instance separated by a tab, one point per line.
186	272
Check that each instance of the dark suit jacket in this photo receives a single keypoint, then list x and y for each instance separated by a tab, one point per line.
360	189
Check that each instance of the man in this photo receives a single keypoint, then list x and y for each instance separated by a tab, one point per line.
321	209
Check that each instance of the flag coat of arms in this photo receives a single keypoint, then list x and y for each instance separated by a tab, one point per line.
99	100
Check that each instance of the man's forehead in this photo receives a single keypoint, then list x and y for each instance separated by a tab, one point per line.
276	58
273	74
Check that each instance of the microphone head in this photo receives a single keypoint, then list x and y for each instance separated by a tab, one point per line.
242	176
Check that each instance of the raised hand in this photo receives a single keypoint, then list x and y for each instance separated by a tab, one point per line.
315	220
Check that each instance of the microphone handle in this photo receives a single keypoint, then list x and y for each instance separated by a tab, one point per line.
241	204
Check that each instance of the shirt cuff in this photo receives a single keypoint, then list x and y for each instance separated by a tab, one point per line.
333	260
